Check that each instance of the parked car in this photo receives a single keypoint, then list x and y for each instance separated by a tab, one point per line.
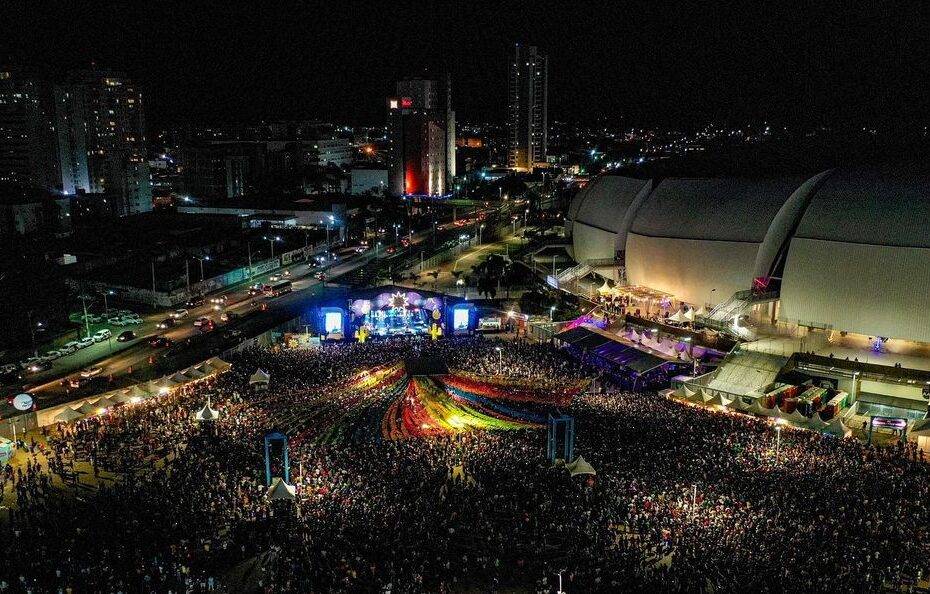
160	342
180	313
126	336
195	301
69	347
166	323
230	334
101	335
92	371
227	316
86	341
125	312
9	368
201	321
133	320
52	355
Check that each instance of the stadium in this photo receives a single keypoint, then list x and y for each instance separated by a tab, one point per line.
821	279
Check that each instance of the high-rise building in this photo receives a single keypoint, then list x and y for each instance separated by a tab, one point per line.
528	107
27	135
421	126
101	139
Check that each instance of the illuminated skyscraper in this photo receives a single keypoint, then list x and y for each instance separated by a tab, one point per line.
528	107
101	138
422	131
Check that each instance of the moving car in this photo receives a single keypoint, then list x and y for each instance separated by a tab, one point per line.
220	300
320	276
160	342
256	289
101	335
208	325
38	366
201	321
226	316
166	323
179	313
195	301
92	371
126	336
274	278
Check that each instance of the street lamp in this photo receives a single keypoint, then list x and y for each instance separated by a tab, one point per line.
500	361
480	228
271	241
208	257
778	423
396	232
551	311
106	307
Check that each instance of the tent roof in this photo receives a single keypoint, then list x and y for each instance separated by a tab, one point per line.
580	466
67	415
104	402
920	427
259	377
87	408
207	413
279	490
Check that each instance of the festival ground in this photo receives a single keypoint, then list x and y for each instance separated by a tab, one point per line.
440	483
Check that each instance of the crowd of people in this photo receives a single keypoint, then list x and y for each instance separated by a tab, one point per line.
684	498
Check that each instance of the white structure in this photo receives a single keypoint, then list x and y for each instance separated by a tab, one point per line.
847	249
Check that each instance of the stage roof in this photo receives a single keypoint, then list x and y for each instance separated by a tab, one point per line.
610	349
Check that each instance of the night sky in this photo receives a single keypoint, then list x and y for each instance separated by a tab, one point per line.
649	63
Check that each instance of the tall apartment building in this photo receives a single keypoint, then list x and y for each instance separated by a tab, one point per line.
101	139
421	126
27	135
527	108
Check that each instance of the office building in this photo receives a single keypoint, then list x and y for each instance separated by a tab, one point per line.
27	135
528	108
421	126
101	139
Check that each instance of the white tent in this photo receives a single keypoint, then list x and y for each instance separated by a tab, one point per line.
689	315
701	312
217	364
193	373
138	391
179	378
836	427
279	490
580	466
104	402
87	408
604	289
260	377
756	408
698	397
634	336
676	317
67	415
737	404
207	413
797	417
718	400
816	423
688	392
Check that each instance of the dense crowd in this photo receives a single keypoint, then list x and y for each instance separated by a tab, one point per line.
684	499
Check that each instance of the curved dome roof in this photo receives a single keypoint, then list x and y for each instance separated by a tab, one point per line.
714	209
605	202
888	207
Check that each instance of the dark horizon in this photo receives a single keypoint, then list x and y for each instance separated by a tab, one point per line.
634	64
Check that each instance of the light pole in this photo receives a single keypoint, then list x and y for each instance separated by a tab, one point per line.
271	241
500	361
480	229
201	265
778	424
84	299
551	311
396	232
106	307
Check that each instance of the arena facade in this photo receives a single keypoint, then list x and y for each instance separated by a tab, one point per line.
842	257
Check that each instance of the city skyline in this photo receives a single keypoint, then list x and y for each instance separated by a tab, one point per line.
632	62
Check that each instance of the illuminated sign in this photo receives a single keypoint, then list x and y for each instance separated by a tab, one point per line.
406	102
332	322
393	103
460	318
888	423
